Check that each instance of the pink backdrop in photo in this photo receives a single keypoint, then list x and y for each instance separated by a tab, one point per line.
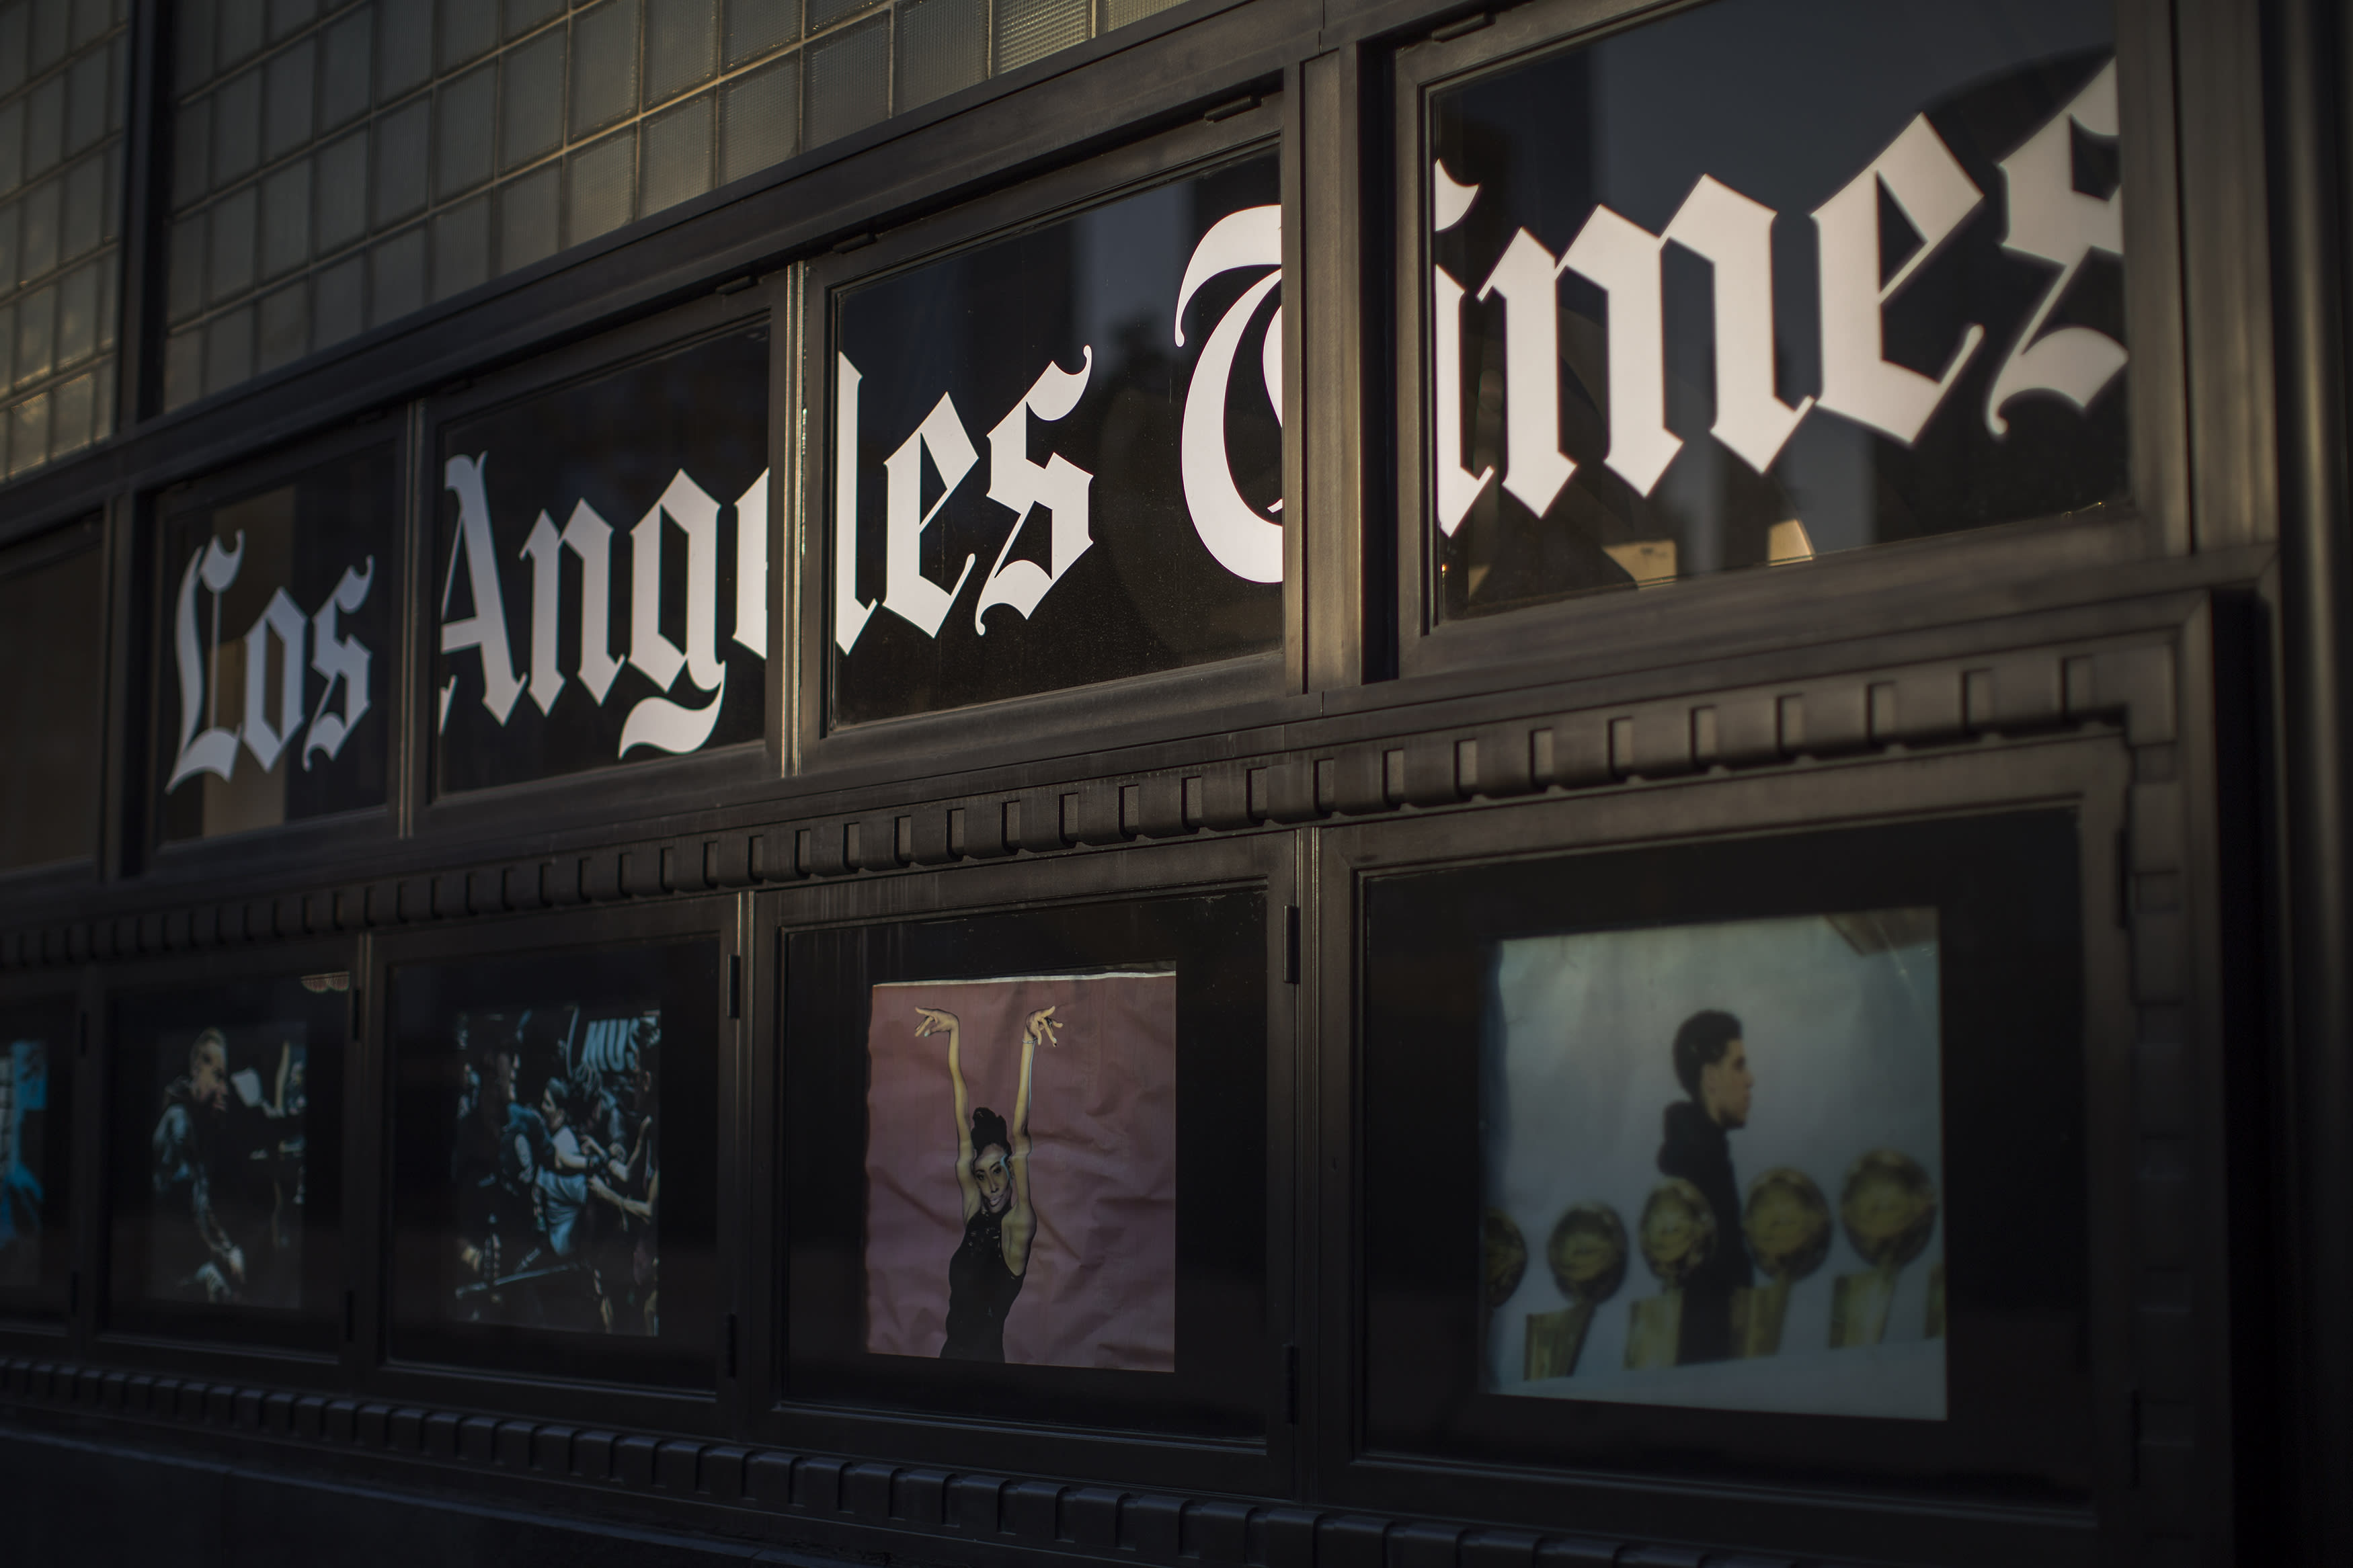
1101	1288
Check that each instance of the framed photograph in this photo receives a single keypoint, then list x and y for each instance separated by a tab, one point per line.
1023	1174
38	1040
224	1214
1054	452
1759	1156
554	1162
1677	313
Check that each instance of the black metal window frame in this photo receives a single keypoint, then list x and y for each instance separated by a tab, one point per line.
1651	728
1738	613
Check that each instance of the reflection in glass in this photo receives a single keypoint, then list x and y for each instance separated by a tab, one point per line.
49	619
1748	285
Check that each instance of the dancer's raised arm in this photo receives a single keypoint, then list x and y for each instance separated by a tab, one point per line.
935	1022
1021	1220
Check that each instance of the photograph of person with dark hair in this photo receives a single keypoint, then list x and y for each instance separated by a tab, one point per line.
1712	1065
1751	1301
992	1172
557	1169
226	1166
1055	1243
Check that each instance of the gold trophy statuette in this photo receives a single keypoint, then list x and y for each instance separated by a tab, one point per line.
1588	1254
1787	1222
1678	1238
1889	1209
1507	1258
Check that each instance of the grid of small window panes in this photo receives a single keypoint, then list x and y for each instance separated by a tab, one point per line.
339	165
62	71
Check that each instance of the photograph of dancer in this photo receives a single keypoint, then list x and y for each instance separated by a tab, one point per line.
1056	1245
992	1172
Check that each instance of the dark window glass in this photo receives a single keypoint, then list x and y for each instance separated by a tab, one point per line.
36	1155
228	1158
1038	480
602	570
276	650
1761	282
49	619
554	1175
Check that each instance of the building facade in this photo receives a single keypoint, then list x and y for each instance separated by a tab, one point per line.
1248	783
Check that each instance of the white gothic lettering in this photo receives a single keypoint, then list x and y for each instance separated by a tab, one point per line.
269	718
1240	539
655	721
2050	222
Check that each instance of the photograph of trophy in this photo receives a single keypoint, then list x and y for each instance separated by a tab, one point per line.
1889	1210
1507	1256
1786	1223
1678	1238
1588	1254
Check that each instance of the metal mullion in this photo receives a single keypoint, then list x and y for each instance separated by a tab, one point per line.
146	195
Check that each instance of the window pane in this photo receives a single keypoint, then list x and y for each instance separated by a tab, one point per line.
763	118
183	367
531	118
755	27
286	219
1029	30
468	27
339	308
292	77
76	317
1704	409
403	47
228	349
233	236
396	277
602	178
241	29
344	77
285	327
69	416
462	139
522	16
943	46
530	218
461	247
37	322
603	65
681	48
343	191
400	143
1119	13
285	15
678	155
192	151
236	128
850	79
823	13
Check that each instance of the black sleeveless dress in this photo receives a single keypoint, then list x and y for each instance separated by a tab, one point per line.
980	1292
